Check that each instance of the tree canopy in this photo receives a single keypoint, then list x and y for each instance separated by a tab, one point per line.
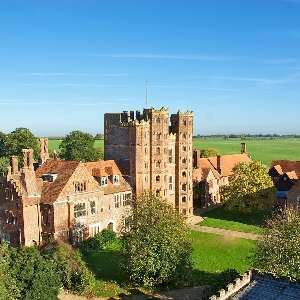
209	152
155	244
36	277
277	251
2	144
250	187
20	138
78	145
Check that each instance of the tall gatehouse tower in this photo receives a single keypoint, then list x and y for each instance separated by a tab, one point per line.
155	152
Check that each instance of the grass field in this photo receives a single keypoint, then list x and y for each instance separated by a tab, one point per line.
265	150
212	254
231	220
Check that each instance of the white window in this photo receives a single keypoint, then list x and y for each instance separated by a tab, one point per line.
116	201
104	181
79	210
116	179
170	183
93	207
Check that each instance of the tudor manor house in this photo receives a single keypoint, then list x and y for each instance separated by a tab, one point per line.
70	200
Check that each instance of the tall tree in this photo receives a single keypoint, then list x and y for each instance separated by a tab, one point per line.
250	187
155	244
2	144
78	145
209	152
277	251
20	138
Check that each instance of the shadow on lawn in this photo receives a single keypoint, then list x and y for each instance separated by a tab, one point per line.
256	217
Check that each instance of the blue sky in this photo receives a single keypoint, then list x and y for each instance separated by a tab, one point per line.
235	63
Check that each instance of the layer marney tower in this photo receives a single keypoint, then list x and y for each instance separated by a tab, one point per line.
158	156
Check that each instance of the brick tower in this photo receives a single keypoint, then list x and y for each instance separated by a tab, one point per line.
158	156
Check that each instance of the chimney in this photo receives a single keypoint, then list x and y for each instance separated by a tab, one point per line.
30	159
132	115
196	158
55	154
138	115
14	161
44	153
243	148
219	164
24	159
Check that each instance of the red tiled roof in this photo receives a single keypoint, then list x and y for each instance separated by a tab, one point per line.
228	162
105	167
205	165
287	166
292	175
64	169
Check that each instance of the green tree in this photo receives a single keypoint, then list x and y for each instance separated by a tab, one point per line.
78	145
4	163
277	251
155	244
250	187
8	286
209	152
35	275
2	144
20	138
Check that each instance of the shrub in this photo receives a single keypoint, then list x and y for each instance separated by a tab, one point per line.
35	276
74	274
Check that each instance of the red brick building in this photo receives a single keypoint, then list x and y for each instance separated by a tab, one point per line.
60	199
155	152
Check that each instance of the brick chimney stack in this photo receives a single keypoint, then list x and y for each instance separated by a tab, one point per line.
243	148
14	161
44	152
219	164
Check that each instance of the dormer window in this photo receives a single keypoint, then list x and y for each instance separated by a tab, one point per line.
104	181
116	179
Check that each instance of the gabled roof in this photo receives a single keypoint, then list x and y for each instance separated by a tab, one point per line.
106	168
228	162
206	166
286	166
64	169
292	175
103	168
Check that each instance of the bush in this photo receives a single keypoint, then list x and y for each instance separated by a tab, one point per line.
35	276
277	251
74	274
100	241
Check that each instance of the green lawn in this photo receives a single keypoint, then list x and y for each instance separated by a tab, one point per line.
220	218
212	254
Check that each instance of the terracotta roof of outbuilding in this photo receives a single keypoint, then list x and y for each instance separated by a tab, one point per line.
64	169
228	162
287	166
292	175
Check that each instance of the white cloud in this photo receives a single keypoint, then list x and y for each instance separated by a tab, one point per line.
169	56
72	74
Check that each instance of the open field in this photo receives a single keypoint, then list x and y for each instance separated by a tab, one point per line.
260	149
212	254
265	150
